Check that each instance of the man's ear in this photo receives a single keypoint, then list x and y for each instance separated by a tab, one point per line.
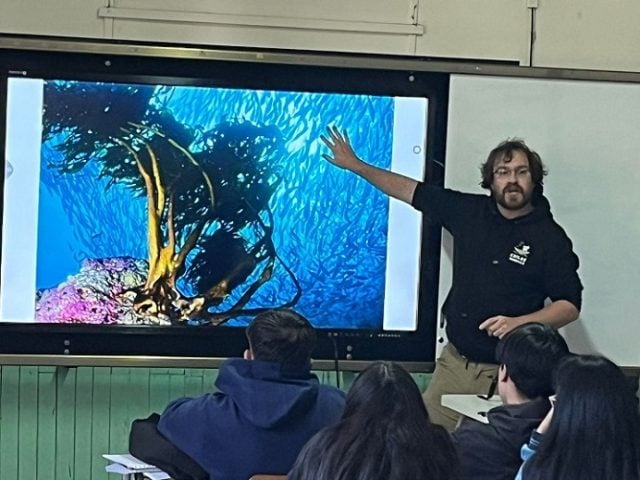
248	354
503	374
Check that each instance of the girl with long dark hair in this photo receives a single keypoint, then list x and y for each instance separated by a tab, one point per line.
592	431
384	434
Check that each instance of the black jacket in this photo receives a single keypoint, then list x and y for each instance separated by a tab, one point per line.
500	266
492	451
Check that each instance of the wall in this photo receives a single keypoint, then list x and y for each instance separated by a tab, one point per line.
56	422
583	34
588	34
57	17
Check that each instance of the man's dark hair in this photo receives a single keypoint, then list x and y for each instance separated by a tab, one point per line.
282	336
531	353
504	152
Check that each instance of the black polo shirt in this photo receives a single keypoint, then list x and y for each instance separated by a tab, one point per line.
500	266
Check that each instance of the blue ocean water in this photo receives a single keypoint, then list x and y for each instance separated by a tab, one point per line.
330	227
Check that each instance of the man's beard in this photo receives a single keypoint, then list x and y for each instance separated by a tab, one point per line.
516	204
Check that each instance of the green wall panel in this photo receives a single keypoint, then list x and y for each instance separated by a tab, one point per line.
56	422
9	401
45	453
27	422
65	423
83	423
100	408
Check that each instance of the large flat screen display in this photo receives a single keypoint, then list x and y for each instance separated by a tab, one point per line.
136	203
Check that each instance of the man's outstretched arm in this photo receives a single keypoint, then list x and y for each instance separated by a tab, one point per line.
343	156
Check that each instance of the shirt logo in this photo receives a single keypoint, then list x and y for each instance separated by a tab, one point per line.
520	253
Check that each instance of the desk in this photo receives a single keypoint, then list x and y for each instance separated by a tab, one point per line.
471	406
139	476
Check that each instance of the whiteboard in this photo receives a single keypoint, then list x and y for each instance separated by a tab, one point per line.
588	135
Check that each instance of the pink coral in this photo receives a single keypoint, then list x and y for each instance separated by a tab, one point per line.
95	294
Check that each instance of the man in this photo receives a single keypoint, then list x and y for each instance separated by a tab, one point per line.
528	355
509	257
268	406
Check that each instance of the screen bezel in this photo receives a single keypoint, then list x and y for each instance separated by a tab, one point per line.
306	73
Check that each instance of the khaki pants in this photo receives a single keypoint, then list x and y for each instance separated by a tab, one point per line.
455	374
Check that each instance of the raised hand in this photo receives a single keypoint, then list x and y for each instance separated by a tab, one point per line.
546	421
342	154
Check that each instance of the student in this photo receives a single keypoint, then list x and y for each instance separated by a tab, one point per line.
384	434
510	255
528	356
592	431
268	405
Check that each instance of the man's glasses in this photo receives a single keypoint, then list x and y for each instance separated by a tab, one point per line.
504	172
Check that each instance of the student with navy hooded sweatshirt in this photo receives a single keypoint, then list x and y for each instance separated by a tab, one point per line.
268	405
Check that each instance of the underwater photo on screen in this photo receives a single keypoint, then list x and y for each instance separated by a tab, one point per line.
167	205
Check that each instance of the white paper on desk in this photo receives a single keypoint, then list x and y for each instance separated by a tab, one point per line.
119	469
131	462
155	474
470	406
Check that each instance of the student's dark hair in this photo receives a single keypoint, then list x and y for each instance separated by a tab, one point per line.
384	434
530	354
595	429
282	336
504	152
